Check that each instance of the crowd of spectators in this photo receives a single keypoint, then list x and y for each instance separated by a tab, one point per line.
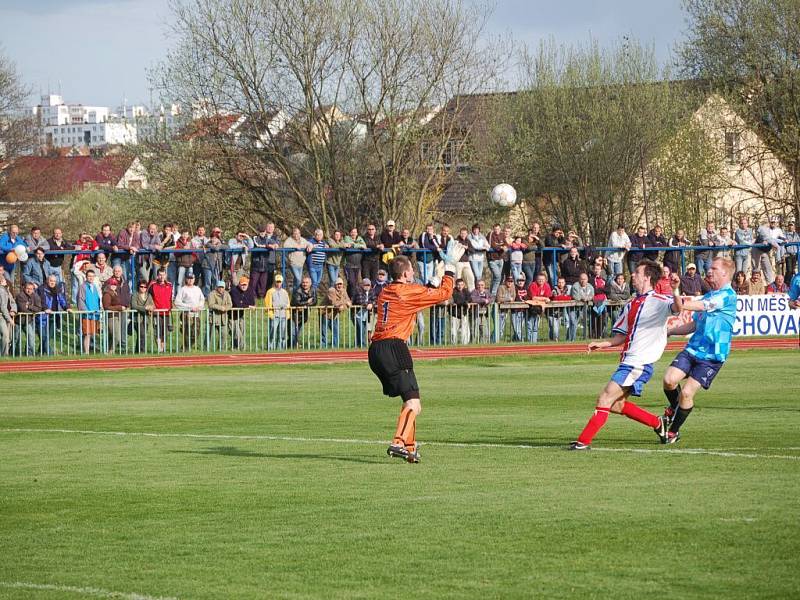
142	279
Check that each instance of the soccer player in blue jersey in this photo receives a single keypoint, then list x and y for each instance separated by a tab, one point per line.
712	330
794	292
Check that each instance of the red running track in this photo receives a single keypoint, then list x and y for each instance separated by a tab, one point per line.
329	357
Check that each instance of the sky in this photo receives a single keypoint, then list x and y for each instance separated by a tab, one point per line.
97	52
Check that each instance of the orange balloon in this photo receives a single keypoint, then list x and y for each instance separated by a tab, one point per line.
11	257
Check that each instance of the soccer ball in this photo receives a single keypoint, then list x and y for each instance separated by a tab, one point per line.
504	195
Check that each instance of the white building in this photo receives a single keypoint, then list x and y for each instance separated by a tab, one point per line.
64	125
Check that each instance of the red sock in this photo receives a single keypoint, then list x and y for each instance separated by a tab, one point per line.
637	413
594	425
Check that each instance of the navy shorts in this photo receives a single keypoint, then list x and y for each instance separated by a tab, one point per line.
702	371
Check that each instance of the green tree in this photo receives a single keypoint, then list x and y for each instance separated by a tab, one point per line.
749	50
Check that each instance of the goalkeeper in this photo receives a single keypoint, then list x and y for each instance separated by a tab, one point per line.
389	357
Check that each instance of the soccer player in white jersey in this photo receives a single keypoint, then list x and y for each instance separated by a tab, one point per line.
641	330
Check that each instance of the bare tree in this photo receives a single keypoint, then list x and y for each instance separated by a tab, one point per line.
334	99
17	134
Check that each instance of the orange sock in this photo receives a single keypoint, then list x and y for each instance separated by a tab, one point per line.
406	428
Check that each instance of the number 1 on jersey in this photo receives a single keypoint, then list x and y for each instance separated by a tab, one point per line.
385	309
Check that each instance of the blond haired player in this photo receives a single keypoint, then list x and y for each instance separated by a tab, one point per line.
389	357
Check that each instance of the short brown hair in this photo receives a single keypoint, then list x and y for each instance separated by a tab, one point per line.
652	269
398	266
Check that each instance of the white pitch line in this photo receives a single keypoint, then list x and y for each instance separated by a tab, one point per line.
281	438
83	591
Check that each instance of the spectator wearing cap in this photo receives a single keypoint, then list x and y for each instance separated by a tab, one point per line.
333	260
190	301
277	304
242	298
757	287
619	240
336	302
54	301
371	260
480	298
377	286
362	311
303	298
37	269
792	249
691	282
506	294
114	308
390	236
263	262
316	258
459	314
142	307
219	306
297	250
354	243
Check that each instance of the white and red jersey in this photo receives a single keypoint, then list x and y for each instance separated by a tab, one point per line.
643	322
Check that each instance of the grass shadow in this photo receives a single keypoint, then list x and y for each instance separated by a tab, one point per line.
241	453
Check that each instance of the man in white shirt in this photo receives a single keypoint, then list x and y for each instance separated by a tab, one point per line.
190	302
641	330
618	239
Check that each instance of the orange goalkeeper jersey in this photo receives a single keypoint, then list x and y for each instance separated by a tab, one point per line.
399	303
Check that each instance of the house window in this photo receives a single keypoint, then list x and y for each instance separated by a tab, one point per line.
732	147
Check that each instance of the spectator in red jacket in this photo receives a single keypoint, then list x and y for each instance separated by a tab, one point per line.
664	286
161	291
539	288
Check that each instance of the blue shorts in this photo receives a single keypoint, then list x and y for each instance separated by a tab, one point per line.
633	378
702	371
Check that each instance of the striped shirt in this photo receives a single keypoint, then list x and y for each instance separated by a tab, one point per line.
643	322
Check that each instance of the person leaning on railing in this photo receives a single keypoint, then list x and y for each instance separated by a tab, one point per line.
362	311
336	302
792	249
114	308
161	292
190	301
243	298
480	298
459	314
143	307
219	305
8	309
583	293
276	303
29	307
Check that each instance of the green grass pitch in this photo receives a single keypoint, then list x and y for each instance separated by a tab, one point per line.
272	482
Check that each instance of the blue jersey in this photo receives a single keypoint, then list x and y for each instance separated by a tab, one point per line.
714	326
794	289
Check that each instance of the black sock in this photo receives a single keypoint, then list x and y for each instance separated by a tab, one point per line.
673	396
680	416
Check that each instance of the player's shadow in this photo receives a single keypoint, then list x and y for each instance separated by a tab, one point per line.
241	453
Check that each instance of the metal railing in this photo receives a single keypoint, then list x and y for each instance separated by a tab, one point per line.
257	329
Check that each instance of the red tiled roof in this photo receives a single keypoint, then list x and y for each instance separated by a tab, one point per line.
211	126
44	178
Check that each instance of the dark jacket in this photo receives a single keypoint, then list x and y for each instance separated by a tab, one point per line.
637	241
654	241
372	245
28	304
571	269
694	286
460	304
242	299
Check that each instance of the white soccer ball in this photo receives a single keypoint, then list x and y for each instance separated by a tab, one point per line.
504	194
